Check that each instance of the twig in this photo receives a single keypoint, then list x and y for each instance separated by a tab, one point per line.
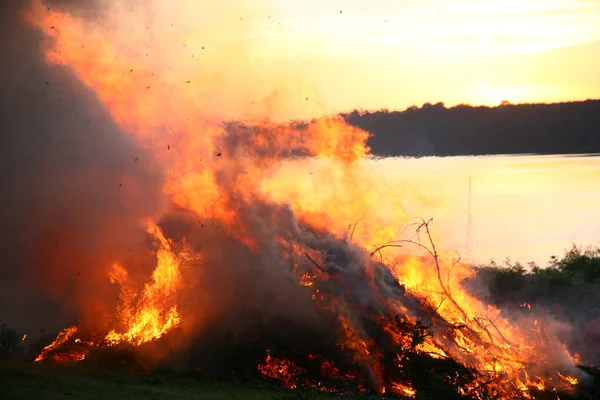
432	251
454	263
314	263
389	244
493	324
353	229
439	305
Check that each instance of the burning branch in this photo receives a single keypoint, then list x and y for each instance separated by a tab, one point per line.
315	263
351	230
432	251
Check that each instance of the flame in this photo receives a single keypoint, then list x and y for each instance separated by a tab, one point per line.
334	189
406	390
144	313
307	280
526	305
147	318
62	338
572	381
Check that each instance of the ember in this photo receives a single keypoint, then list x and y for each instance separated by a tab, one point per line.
61	339
281	282
283	370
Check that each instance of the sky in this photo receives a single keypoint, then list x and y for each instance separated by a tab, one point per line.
298	60
398	53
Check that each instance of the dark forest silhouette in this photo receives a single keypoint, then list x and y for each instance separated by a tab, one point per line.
433	129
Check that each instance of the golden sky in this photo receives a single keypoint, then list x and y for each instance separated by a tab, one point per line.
289	59
397	53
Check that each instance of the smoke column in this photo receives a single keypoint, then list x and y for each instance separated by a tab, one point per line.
65	171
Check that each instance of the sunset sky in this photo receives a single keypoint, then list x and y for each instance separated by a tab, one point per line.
397	53
290	59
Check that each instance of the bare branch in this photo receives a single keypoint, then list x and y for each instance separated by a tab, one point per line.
432	251
353	230
454	263
439	305
379	248
314	263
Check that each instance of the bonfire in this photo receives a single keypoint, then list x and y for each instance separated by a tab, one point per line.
384	337
282	256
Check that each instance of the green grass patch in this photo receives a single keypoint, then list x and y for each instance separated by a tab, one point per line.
25	381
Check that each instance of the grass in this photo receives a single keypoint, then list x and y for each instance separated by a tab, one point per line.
25	381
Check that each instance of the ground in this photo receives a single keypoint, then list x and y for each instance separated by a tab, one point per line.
24	381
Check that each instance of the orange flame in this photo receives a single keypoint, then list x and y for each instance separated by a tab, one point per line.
149	319
145	314
403	389
336	188
62	338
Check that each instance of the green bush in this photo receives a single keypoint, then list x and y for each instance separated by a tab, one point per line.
567	290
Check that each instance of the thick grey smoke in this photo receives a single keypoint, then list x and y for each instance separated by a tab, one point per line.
73	186
76	188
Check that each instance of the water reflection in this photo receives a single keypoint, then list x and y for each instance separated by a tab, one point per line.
525	207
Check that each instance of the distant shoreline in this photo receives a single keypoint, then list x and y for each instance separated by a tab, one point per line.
434	130
568	155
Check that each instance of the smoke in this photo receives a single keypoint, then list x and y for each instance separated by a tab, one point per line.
239	297
78	185
73	191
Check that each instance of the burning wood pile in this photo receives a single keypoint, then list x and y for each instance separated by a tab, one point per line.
383	338
256	271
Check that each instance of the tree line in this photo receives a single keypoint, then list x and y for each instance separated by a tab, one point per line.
435	130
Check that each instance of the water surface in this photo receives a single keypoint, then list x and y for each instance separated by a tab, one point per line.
525	207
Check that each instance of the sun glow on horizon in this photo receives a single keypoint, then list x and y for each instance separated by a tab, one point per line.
411	53
315	58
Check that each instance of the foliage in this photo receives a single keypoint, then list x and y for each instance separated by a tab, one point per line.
567	291
433	129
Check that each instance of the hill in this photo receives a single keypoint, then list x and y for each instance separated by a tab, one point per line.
433	129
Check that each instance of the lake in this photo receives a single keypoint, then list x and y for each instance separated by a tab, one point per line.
526	207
